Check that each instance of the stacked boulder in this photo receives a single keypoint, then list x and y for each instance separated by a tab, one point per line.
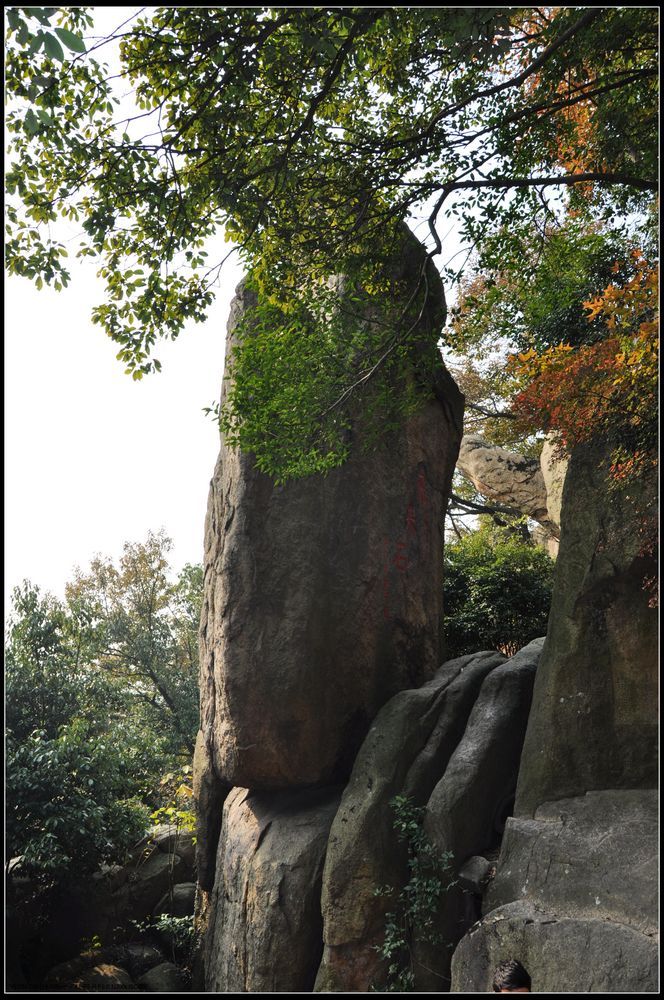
322	600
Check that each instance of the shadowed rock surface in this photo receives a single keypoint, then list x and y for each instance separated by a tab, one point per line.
466	812
265	928
468	807
591	857
164	978
404	753
565	955
575	894
594	720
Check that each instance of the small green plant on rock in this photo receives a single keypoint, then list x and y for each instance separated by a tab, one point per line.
174	935
416	905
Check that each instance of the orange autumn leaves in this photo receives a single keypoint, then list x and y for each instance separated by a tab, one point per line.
604	389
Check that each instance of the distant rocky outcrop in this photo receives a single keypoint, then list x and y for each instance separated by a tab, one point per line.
525	485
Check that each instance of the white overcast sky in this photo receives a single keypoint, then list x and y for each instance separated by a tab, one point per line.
92	458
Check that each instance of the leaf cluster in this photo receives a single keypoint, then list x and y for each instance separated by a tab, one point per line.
309	134
102	699
497	591
417	903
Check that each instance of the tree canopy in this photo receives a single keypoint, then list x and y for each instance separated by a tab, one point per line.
102	700
309	134
497	591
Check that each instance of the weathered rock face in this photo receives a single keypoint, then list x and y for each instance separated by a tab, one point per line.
164	978
591	857
468	807
594	718
504	476
519	483
554	470
406	750
574	899
323	596
466	813
179	902
265	927
562	956
209	795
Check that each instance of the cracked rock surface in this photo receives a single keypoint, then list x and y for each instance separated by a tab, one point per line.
265	929
566	955
592	856
574	898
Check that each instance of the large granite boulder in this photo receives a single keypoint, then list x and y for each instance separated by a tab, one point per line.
172	839
178	902
562	955
265	929
504	476
594	719
105	978
466	812
574	898
323	596
405	752
594	856
467	809
164	978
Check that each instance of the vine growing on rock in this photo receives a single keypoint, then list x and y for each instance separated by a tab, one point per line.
416	904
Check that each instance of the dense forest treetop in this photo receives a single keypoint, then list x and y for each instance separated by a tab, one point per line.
309	134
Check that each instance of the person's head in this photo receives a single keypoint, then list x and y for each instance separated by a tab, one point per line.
511	977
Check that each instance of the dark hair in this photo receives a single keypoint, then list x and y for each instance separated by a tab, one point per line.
510	975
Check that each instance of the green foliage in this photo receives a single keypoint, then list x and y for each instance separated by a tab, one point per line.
351	118
289	366
47	682
101	701
142	631
497	592
68	798
416	905
177	801
532	287
177	932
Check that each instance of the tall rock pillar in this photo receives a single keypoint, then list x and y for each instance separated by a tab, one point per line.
323	596
322	599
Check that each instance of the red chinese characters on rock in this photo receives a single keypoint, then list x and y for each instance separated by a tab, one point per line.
398	556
